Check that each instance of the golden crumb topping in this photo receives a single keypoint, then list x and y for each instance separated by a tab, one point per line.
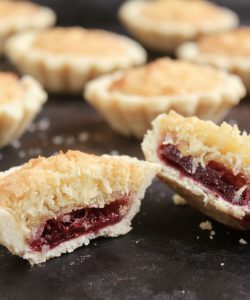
78	41
193	11
10	89
168	77
232	43
12	10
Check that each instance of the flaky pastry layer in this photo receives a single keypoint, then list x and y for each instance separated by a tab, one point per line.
166	33
131	114
68	72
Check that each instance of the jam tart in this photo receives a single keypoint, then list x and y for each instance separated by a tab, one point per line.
18	16
129	100
20	101
164	25
54	205
208	165
63	59
229	51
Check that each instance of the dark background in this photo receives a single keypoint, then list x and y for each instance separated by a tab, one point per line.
166	256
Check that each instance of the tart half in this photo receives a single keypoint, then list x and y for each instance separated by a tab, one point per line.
20	101
164	25
51	206
130	100
208	165
229	51
63	59
18	16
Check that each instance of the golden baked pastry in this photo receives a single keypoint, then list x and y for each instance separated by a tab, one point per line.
164	25
19	16
130	100
51	206
207	164
229	51
20	101
63	59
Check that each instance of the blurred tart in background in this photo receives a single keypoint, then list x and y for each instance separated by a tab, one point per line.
18	16
228	50
63	59
131	99
165	24
20	101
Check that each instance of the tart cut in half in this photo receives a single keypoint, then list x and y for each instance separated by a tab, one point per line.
51	206
164	25
63	59
18	16
20	101
131	99
228	50
208	165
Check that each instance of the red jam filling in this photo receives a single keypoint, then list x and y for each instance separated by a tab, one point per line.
79	222
214	176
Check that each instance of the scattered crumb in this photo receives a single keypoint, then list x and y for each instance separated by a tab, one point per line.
207	225
212	232
114	152
137	241
16	144
243	242
222	264
178	200
72	263
21	153
211	237
43	124
83	136
69	140
197	237
57	140
34	151
32	128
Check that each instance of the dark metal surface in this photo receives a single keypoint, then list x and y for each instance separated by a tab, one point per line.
166	256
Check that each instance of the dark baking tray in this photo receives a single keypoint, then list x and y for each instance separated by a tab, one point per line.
166	256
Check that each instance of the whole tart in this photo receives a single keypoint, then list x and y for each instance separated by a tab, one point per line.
131	99
229	51
63	59
54	205
18	16
207	164
20	101
164	25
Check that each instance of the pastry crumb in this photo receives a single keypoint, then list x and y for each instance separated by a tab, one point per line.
243	242
22	154
178	200
57	140
43	124
83	136
16	144
222	264
197	237
206	225
114	152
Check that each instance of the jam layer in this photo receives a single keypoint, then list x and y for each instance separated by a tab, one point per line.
214	176
79	222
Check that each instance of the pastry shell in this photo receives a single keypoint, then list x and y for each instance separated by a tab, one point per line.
44	188
67	73
166	36
16	115
42	18
205	141
236	64
131	114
